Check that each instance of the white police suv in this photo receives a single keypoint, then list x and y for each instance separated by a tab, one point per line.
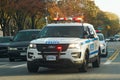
103	44
64	45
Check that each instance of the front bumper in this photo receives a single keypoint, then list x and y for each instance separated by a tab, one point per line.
3	52
65	59
16	54
52	58
61	63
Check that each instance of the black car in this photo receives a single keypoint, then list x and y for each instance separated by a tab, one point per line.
112	39
4	44
18	47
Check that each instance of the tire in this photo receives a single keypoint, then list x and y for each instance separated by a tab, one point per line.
32	67
106	53
96	63
11	59
84	67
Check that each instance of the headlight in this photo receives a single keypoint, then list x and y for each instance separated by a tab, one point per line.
71	46
10	48
32	46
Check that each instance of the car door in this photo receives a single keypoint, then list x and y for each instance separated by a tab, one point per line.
93	46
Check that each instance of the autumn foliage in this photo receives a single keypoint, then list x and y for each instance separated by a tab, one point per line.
16	15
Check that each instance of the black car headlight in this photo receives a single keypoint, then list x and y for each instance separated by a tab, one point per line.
11	48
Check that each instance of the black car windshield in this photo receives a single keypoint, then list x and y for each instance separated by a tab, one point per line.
4	39
25	35
62	31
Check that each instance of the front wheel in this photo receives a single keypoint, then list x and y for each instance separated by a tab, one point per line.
11	59
32	67
106	53
96	63
84	67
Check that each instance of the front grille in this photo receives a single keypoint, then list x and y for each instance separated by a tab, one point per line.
51	47
51	53
22	49
3	48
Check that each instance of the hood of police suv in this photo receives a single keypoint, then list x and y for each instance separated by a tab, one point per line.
56	40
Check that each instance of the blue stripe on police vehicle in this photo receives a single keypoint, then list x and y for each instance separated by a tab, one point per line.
94	52
94	39
92	47
52	42
88	41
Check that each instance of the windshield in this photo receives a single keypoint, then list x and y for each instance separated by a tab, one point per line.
25	35
4	39
62	31
117	36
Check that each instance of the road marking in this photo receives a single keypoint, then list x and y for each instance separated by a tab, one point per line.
113	57
3	66
116	55
108	62
22	65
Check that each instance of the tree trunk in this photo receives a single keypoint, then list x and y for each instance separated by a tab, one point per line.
3	29
33	21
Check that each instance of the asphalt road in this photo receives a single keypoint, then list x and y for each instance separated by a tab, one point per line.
109	69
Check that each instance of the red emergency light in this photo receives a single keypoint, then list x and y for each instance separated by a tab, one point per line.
59	48
75	19
60	19
98	31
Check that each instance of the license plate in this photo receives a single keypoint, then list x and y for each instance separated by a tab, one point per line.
50	58
23	53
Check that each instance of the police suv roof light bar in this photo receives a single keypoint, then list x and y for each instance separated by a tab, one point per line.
74	19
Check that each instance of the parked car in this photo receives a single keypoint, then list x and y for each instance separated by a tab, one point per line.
112	39
4	43
117	37
18	47
103	45
107	40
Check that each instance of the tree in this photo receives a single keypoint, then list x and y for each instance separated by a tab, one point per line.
35	9
23	14
24	8
4	16
18	12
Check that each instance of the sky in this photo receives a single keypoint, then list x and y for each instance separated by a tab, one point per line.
109	6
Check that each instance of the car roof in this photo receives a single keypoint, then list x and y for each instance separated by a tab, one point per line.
6	36
117	35
69	24
30	30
